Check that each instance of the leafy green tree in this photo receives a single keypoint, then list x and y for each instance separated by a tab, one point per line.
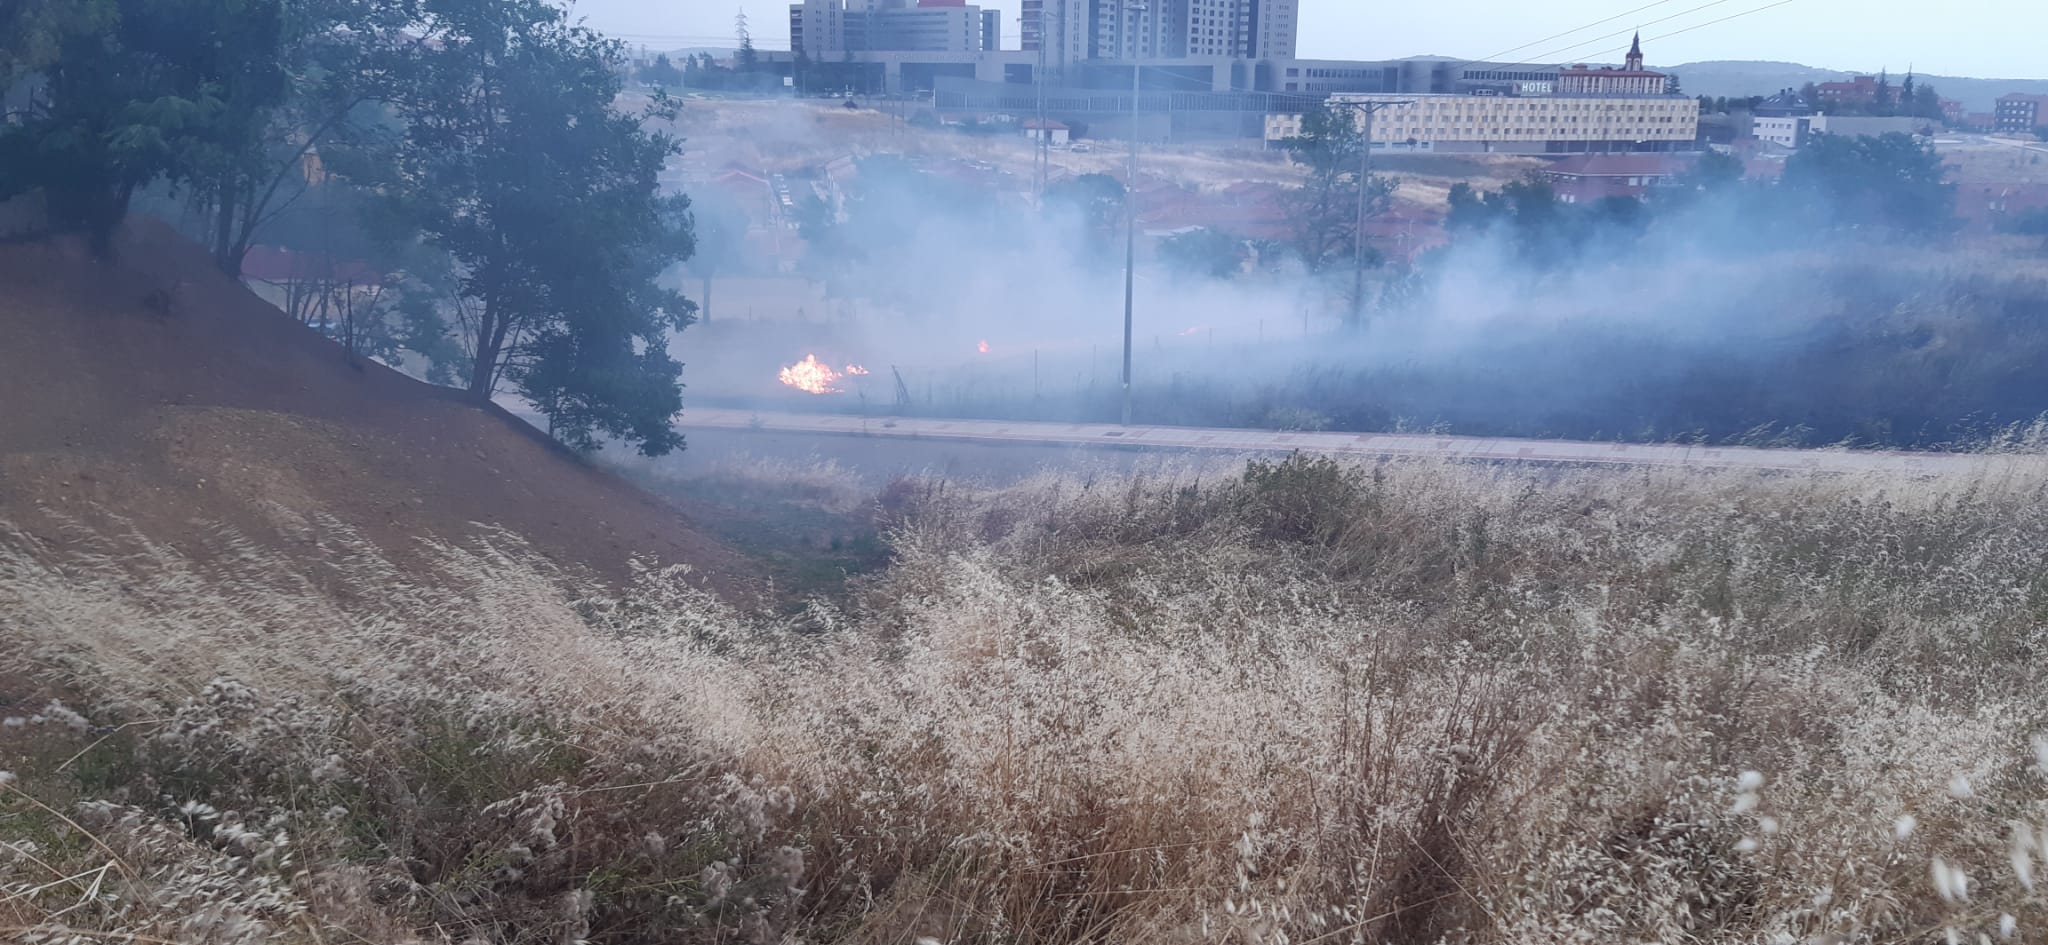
1096	201
1326	206
1204	252
1714	173
33	33
720	226
1890	180
513	161
661	72
147	90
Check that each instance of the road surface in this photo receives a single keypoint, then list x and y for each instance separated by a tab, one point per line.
1107	436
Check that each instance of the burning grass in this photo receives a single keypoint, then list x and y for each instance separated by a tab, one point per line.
1297	702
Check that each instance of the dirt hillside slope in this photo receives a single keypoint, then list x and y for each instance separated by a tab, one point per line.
225	413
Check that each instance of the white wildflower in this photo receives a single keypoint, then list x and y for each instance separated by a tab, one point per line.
1749	781
1951	882
1959	787
1744	803
1767	824
2007	925
2041	754
1745	845
6	779
927	940
2023	844
1903	827
13	721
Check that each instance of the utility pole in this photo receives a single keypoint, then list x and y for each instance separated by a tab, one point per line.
1130	206
1364	197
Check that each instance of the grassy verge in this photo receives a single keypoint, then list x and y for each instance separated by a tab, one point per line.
1300	701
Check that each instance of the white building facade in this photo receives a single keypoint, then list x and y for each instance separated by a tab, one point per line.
1529	124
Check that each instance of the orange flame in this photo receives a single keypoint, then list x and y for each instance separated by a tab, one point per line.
982	347
809	376
855	370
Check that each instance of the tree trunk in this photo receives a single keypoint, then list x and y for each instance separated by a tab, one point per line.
490	342
224	228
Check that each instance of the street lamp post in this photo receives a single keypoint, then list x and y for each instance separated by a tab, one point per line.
1130	202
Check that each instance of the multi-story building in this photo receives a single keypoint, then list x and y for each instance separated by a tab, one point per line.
1861	90
1631	79
1558	123
1162	29
2019	113
830	28
1528	110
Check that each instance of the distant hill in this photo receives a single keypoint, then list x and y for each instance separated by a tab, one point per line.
1739	77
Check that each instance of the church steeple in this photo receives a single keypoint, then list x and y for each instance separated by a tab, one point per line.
1635	54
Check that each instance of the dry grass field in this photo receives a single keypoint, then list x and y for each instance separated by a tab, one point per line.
1300	702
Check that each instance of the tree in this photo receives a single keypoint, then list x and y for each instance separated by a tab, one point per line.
1926	103
1096	201
1326	206
661	72
144	90
720	226
1713	173
514	162
1890	180
1672	86
1204	252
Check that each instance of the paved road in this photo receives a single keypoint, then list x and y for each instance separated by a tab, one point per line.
1339	444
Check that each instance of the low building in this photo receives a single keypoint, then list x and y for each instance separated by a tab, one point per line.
1794	131
1560	123
1589	178
1053	132
2019	113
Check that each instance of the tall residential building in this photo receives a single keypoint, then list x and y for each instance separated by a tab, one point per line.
830	28
1059	28
1072	30
1181	29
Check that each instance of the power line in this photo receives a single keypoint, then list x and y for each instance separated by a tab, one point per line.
1617	16
1695	26
1637	28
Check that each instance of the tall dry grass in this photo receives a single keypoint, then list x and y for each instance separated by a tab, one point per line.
1298	702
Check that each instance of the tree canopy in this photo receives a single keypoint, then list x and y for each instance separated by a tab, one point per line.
482	131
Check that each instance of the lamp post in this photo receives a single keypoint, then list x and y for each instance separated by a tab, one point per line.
1130	201
1364	195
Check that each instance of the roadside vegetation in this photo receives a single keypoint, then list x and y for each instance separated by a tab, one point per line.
1295	701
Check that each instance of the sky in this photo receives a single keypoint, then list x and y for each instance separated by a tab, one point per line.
1981	38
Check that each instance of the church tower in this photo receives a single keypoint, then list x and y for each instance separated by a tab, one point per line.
1635	54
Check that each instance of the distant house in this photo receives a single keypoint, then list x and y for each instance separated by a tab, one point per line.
2019	113
1861	90
1587	178
1787	103
1054	132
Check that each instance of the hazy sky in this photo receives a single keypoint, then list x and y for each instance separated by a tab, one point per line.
1989	38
